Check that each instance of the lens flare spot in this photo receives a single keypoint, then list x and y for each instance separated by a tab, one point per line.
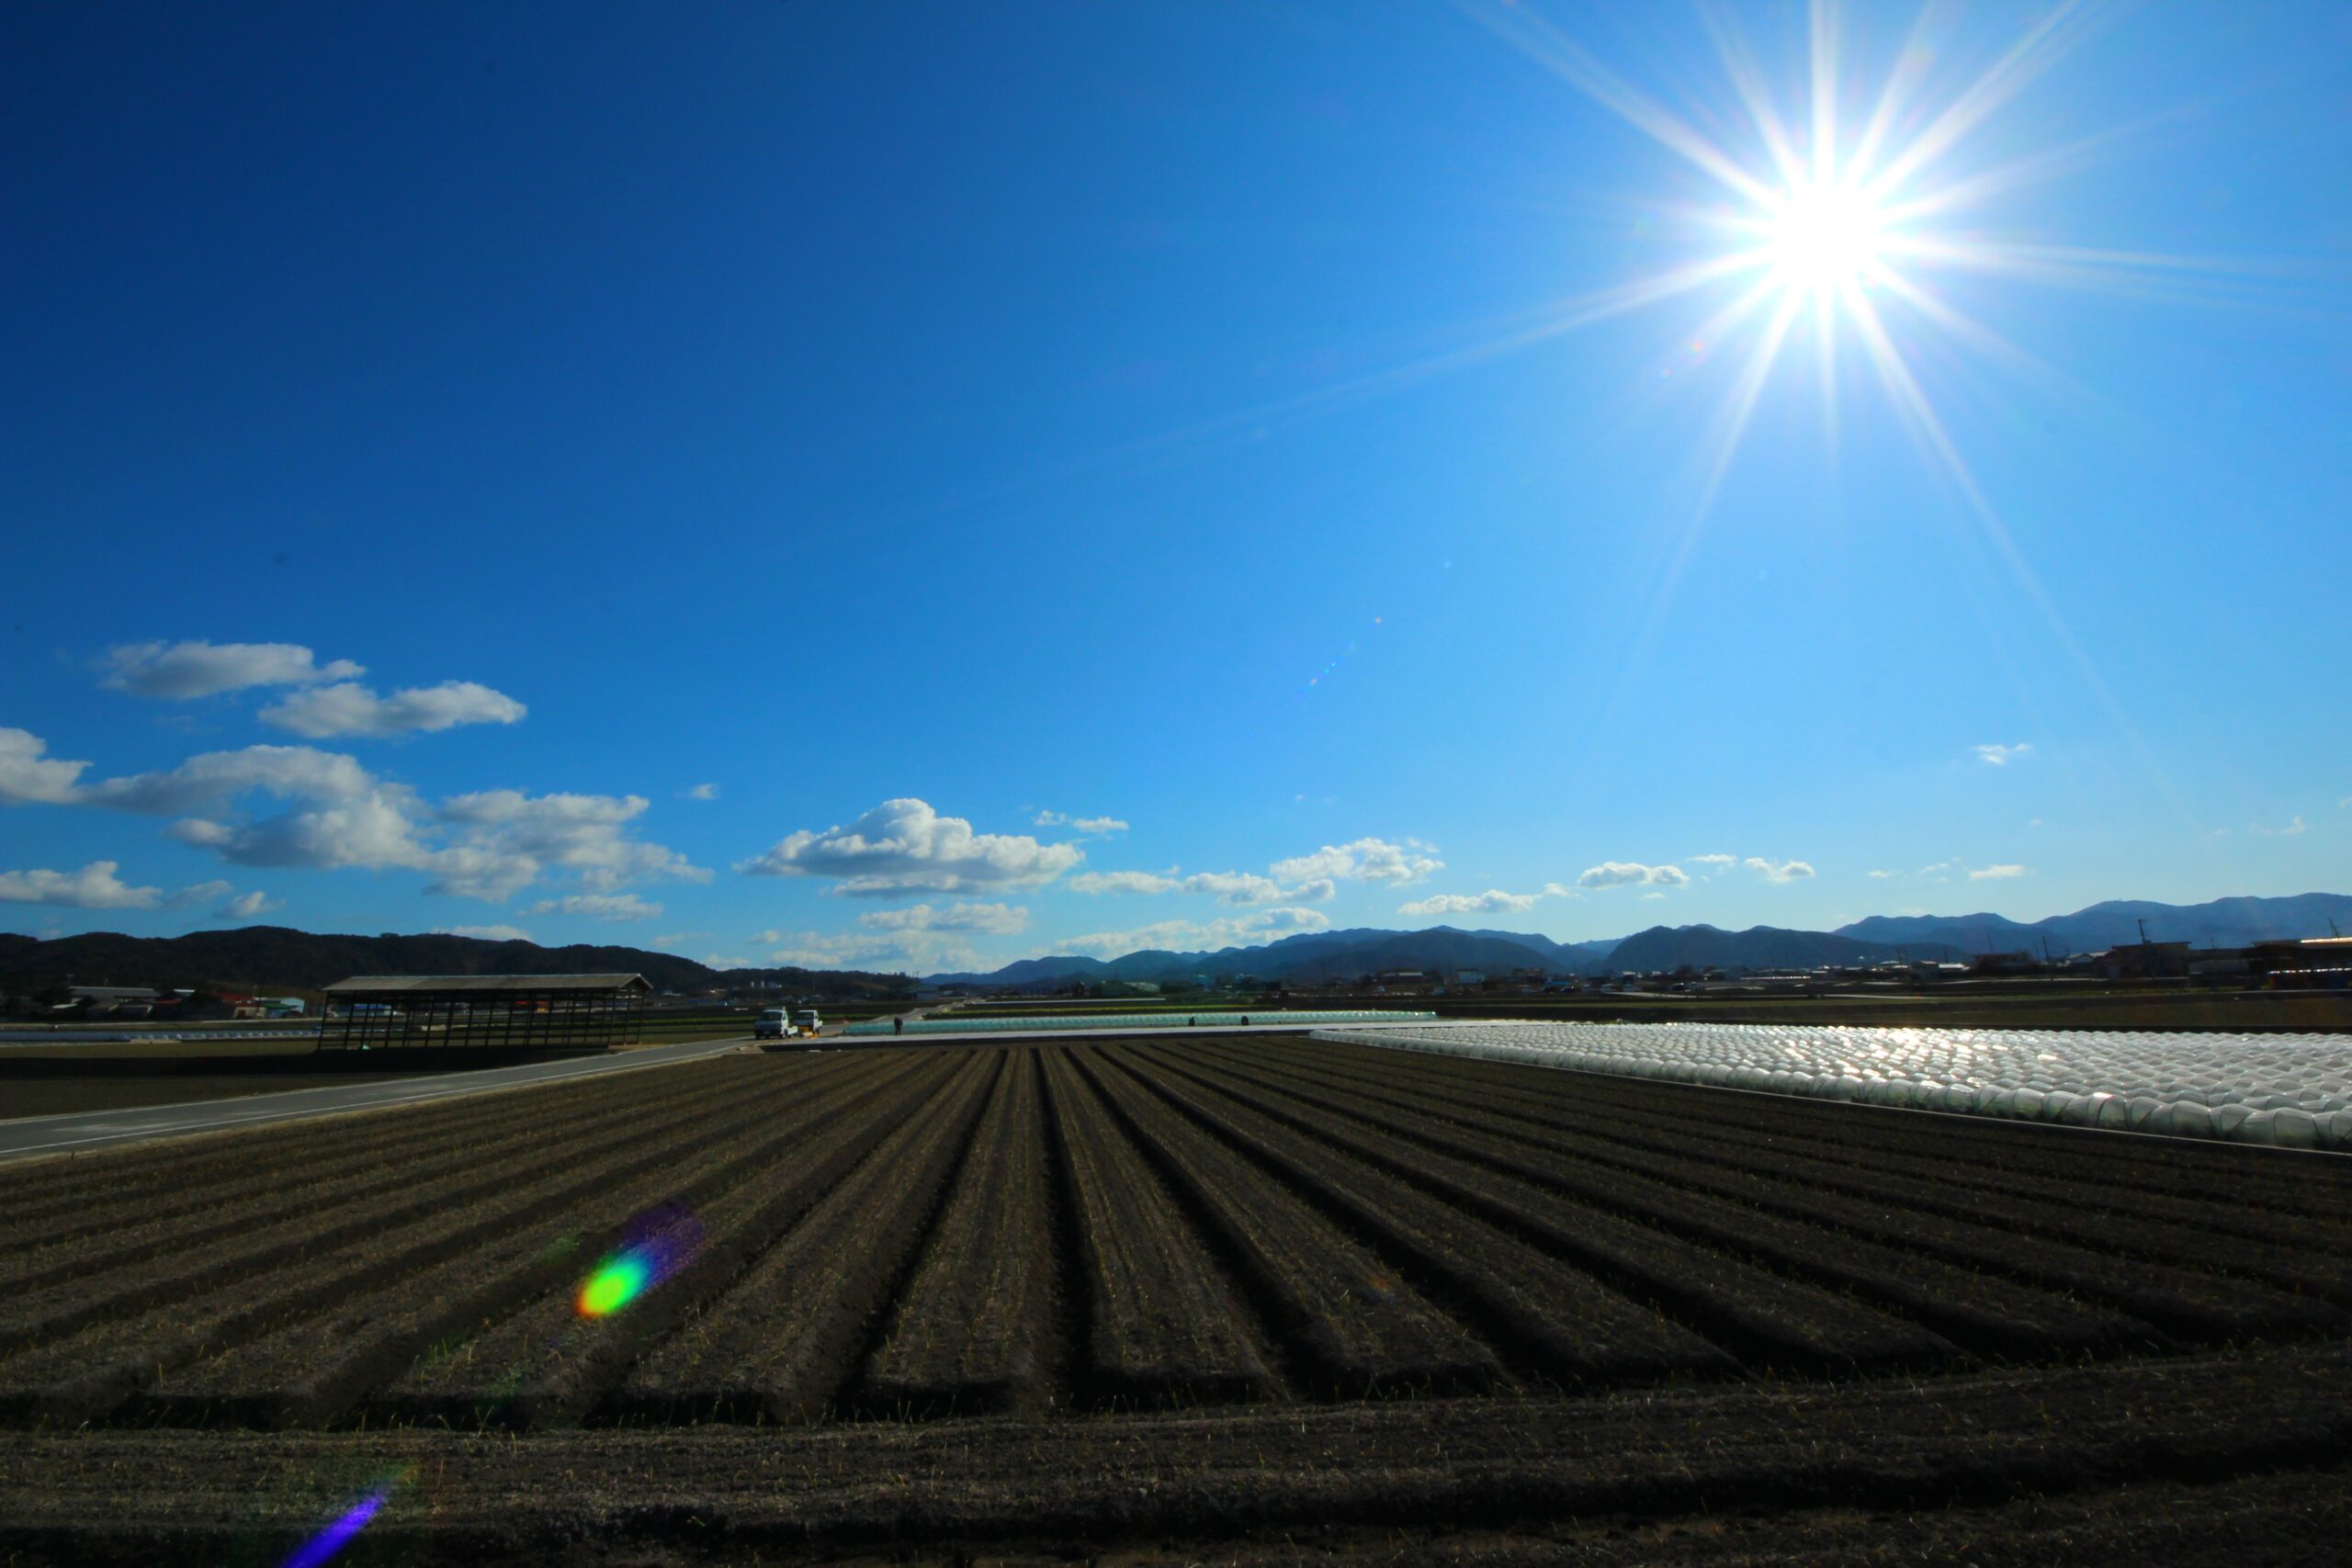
337	1534
656	1245
614	1286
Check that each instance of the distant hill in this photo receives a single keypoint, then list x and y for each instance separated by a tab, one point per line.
1308	958
266	957
1316	956
2225	923
1758	947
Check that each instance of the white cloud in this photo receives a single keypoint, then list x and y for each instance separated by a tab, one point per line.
1646	898
1239	930
1783	871
350	708
996	920
1080	824
182	669
597	906
1123	882
703	792
2289	831
28	776
1720	862
913	951
1560	890
1879	876
1626	872
585	834
226	900
1366	860
1997	873
1493	901
905	846
679	938
376	831
1999	755
487	933
213	779
486	845
95	887
1240	887
499	840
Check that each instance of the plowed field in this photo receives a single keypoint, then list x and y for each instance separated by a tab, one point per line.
1268	1296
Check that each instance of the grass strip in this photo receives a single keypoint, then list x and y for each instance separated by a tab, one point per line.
1723	1460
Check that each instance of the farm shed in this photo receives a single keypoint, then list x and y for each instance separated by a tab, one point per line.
497	1012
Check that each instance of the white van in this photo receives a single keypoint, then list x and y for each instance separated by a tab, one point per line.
773	1024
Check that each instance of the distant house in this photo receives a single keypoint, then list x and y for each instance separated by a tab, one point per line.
2145	960
113	1002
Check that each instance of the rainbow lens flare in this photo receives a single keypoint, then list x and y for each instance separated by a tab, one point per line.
337	1534
656	1245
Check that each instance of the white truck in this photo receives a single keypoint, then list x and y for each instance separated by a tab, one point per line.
773	1024
805	1021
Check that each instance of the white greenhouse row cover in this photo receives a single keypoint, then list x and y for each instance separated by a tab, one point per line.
2292	1090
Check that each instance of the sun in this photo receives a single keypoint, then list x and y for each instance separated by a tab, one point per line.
1823	239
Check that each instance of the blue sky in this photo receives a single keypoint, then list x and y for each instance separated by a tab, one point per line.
908	486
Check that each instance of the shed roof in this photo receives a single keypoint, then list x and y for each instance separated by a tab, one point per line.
477	983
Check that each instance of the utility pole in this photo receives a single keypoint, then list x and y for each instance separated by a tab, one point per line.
2143	932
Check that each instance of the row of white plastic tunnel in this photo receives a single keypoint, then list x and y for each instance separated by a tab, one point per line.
2290	1090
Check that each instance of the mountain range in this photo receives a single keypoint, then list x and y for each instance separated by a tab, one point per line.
258	957
1345	955
261	956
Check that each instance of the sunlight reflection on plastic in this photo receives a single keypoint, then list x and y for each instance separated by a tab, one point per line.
657	1245
336	1536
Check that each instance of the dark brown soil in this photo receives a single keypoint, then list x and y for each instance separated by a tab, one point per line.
1260	1303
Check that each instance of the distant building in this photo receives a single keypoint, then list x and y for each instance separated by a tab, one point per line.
2145	961
1130	989
114	1001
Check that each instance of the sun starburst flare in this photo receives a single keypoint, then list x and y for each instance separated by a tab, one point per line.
1849	225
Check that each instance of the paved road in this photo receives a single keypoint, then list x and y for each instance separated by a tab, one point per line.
81	1130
